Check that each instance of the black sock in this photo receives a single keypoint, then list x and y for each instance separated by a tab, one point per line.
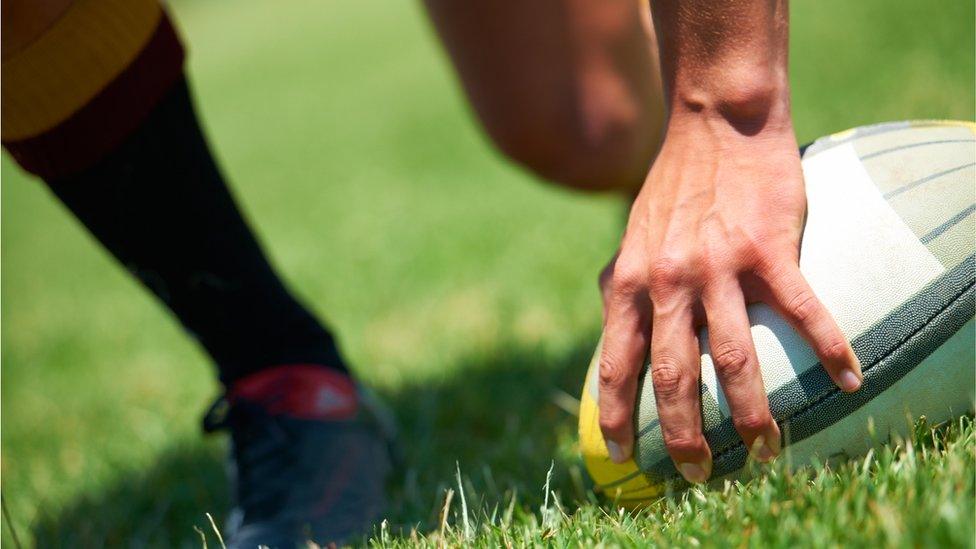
160	205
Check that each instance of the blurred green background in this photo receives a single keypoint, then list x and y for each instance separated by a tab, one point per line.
460	287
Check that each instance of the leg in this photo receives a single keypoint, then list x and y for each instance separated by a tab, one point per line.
101	111
125	154
569	89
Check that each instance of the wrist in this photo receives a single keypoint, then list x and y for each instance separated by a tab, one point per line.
747	102
719	132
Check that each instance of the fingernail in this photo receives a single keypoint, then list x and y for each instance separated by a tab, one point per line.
616	452
693	473
849	381
765	453
766	450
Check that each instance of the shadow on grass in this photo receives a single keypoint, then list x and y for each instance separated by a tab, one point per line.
495	417
156	507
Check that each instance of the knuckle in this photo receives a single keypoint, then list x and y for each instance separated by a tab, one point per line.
803	306
833	350
612	423
613	373
668	379
753	422
627	278
731	360
715	264
684	442
763	250
770	266
666	273
753	248
605	276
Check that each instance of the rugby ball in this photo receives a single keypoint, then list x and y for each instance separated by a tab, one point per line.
889	248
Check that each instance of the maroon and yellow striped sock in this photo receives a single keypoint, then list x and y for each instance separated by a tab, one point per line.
72	94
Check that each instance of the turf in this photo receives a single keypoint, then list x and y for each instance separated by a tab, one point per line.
460	287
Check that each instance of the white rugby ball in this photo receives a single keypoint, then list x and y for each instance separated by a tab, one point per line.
889	247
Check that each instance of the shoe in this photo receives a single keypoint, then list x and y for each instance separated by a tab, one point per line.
309	459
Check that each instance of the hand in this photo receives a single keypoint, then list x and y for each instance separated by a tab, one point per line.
716	226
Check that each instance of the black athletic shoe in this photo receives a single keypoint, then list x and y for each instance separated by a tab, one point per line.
309	460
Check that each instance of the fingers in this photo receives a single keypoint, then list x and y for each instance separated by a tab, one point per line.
676	372
737	369
795	301
625	343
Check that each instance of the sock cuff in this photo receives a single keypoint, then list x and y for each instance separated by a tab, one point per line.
304	391
74	94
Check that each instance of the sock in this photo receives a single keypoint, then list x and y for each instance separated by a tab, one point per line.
137	172
159	204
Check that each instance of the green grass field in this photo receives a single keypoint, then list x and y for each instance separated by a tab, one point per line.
462	289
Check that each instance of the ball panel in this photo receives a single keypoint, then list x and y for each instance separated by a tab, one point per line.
931	389
925	170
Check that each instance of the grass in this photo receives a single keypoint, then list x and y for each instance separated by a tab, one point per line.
870	502
460	288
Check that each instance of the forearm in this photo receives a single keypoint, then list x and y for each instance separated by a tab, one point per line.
725	59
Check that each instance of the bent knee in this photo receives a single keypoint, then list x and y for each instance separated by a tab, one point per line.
596	153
